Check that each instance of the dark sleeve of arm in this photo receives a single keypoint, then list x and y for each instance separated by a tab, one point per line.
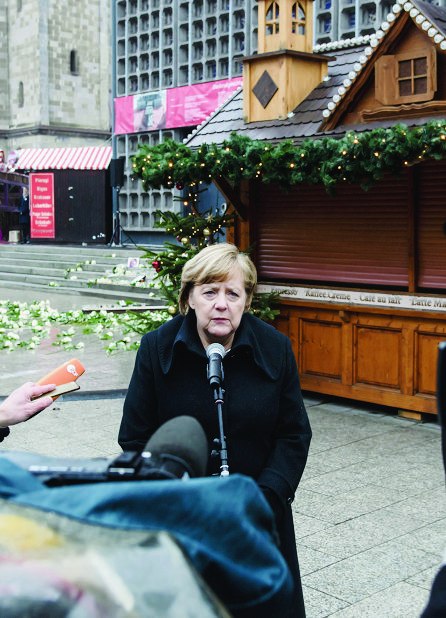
140	415
282	473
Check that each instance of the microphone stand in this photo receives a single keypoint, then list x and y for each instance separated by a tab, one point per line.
218	398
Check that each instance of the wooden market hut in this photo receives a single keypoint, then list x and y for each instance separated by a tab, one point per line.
82	192
362	274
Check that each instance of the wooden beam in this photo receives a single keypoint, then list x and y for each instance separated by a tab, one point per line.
232	196
411	231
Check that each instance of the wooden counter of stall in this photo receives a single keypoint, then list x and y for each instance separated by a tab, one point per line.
370	346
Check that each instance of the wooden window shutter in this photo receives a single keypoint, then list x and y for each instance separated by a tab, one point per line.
385	80
432	75
357	237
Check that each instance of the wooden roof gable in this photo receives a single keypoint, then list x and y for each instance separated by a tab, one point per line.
412	39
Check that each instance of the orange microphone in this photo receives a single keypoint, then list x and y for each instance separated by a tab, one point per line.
64	377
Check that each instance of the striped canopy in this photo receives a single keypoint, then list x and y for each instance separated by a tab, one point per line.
88	158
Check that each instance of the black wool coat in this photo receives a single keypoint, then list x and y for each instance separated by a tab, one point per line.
265	422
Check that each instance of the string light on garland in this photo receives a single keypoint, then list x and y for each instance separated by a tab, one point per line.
242	158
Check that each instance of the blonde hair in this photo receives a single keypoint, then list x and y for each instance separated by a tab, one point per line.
215	263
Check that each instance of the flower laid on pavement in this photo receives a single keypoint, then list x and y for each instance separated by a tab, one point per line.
24	325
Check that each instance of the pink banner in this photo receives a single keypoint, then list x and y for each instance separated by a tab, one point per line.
176	107
41	193
124	115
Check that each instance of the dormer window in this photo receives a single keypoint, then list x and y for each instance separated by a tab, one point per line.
298	19
410	77
272	19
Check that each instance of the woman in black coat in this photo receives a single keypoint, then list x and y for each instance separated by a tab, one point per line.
265	423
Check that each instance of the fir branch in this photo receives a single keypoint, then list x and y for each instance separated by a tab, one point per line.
355	158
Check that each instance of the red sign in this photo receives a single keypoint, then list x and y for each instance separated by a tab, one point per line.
41	196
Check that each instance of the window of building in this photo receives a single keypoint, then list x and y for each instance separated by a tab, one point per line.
19	6
239	20
406	78
197	72
224	67
412	76
272	18
21	95
167	78
224	23
211	26
211	70
167	57
238	66
197	51
370	16
74	62
211	47
211	6
298	19
197	8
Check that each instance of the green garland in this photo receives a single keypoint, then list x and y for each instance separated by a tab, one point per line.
356	157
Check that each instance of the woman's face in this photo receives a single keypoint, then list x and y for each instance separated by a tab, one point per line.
219	307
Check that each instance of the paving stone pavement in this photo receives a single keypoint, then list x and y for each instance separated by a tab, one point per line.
370	511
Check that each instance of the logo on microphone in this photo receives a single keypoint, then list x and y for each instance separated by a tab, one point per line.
72	369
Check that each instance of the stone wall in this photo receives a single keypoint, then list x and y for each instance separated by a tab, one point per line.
37	38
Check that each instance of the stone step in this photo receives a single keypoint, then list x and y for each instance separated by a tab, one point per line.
56	272
70	255
73	249
111	295
91	271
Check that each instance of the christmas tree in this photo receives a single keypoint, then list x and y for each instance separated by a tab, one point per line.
192	232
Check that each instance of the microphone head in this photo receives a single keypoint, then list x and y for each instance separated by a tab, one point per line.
181	439
215	348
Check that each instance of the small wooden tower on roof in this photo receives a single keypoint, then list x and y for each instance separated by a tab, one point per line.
285	70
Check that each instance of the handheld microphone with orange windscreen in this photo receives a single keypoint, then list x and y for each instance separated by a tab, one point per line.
64	377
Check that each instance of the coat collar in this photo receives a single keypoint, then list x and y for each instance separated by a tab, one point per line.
252	335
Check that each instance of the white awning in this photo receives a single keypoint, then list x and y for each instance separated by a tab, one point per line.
88	158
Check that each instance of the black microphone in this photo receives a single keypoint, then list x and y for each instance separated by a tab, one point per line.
177	449
215	353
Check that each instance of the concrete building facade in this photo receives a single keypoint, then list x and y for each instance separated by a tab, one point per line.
165	44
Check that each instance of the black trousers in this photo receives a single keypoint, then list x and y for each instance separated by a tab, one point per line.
25	228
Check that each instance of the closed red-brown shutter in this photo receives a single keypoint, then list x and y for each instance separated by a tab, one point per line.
431	240
357	237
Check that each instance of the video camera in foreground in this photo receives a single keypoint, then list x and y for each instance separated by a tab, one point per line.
177	450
